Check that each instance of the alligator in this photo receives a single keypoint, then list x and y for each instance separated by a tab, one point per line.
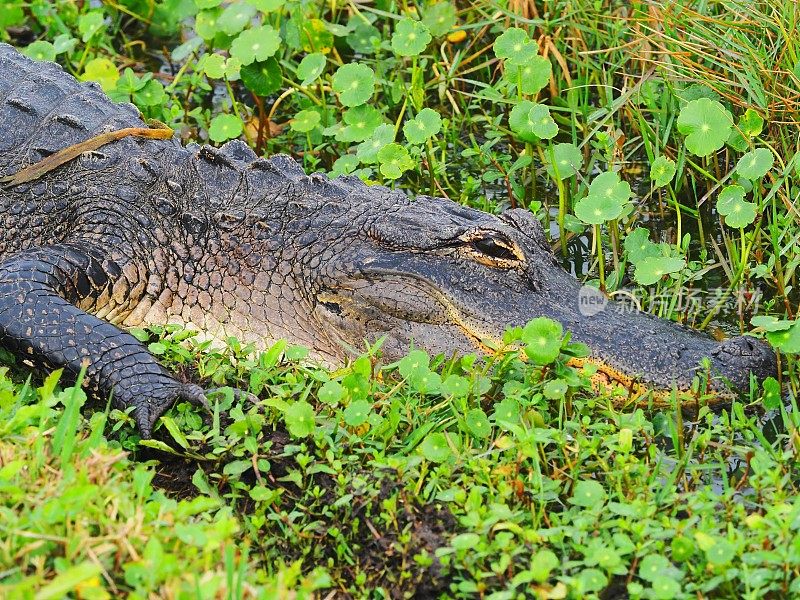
143	232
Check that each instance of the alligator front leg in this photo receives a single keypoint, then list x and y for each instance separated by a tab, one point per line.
40	322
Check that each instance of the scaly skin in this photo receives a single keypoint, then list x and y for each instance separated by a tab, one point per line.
147	232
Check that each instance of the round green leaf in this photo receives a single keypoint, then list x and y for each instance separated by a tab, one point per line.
310	68
331	392
651	269
542	338
515	47
355	84
40	50
435	447
305	121
556	389
455	385
638	245
439	18
365	38
299	419
235	18
706	124
532	76
315	36
662	171
224	127
424	126
103	71
566	159
394	160
588	494
257	44
262	78
737	211
414	363
787	340
410	37
478	423
721	552
653	567
357	413
592	580
596	210
541	123
755	164
344	165
367	151
361	121
267	6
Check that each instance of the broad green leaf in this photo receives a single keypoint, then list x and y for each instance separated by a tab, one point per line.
651	269
566	161
588	493
706	124
478	423
103	71
531	77
91	23
367	151
256	44
235	17
357	413
331	392
299	419
262	78
422	127
224	127
515	47
542	338
361	121
315	37
439	18
435	447
365	38
394	160
755	164
311	67
638	245
305	120
355	84
40	50
662	171
410	37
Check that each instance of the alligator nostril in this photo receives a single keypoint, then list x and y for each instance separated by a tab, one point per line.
742	355
333	307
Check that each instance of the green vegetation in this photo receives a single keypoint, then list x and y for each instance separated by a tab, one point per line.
659	142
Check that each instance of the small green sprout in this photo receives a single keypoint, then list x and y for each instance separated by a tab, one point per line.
662	171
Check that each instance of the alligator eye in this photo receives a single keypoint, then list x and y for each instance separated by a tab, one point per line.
494	248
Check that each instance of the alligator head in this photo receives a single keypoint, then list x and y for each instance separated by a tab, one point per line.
448	279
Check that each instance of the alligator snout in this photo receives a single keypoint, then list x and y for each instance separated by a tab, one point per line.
736	358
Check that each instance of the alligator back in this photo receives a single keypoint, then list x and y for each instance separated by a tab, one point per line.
43	110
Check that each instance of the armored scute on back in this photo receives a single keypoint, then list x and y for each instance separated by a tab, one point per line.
147	232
